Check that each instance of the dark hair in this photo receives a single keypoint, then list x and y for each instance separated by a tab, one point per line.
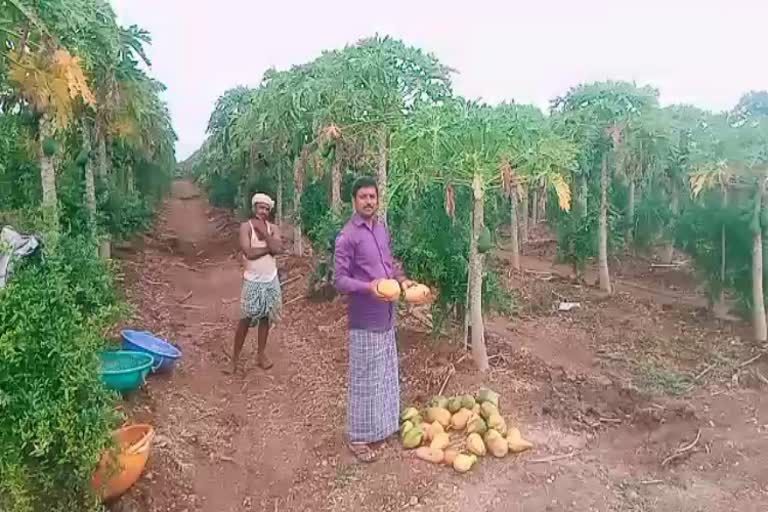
364	182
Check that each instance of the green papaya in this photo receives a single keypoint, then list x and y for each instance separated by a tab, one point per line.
439	401
28	118
50	146
412	438
487	395
409	414
82	158
326	152
468	402
477	425
454	404
484	243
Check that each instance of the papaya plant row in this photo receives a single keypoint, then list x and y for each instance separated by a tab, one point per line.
624	172
86	153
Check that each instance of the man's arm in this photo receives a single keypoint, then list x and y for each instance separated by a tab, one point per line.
343	280
245	244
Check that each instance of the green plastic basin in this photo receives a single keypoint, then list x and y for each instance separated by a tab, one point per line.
125	370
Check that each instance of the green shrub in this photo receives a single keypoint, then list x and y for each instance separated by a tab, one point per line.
55	414
122	214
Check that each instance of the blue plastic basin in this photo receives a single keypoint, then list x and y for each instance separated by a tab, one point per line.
164	354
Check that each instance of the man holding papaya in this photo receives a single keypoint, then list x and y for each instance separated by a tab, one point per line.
363	260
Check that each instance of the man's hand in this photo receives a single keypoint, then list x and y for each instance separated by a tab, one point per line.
261	228
373	287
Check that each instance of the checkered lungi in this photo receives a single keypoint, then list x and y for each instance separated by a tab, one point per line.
373	397
259	300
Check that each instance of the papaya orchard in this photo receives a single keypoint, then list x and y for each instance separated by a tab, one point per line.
86	153
624	173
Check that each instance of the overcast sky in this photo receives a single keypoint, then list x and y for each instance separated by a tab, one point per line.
705	52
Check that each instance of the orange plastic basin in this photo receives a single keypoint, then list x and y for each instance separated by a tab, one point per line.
117	472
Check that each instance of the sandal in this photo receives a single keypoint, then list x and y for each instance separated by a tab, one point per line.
362	451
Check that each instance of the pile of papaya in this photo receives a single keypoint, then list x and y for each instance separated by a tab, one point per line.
457	431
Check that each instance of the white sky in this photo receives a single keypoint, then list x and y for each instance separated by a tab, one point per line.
706	52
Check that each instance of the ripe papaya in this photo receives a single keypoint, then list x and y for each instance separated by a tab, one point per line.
484	243
440	441
477	425
434	429
430	454
475	444
463	462
418	294
497	445
516	442
487	410
460	419
449	455
388	289
439	415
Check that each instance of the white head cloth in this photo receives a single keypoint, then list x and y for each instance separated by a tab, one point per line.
262	199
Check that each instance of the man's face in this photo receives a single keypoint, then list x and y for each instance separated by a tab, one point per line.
261	211
367	202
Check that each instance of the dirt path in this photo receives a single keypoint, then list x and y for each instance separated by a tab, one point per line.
273	441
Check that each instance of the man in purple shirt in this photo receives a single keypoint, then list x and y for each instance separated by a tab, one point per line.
363	257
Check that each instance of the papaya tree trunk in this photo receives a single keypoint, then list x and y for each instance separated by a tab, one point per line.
631	212
479	352
381	172
515	245
668	252
298	190
524	218
279	197
758	299
48	178
90	184
102	166
467	321
336	182
605	276
102	171
535	206
720	305
582	197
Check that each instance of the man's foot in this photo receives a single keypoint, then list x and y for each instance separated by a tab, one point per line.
263	362
362	451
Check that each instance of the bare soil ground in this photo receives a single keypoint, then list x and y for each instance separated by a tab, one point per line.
636	402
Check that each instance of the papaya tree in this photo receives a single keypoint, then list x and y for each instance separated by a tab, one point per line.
595	116
381	81
461	145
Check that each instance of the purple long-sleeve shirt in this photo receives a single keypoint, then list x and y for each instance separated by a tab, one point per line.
363	254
